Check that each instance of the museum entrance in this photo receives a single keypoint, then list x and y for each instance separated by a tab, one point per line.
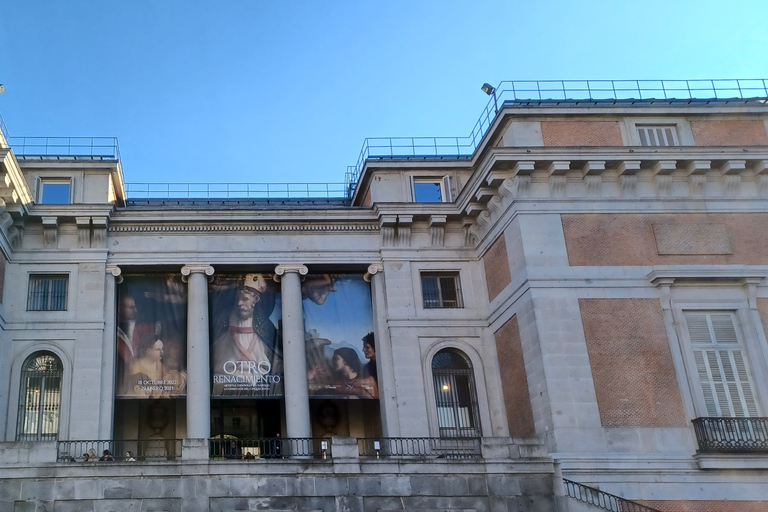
246	418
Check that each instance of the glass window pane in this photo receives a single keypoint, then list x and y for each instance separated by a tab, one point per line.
55	193
427	192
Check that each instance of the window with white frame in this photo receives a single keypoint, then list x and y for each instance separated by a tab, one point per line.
39	398
54	191
431	190
441	290
658	135
47	292
722	364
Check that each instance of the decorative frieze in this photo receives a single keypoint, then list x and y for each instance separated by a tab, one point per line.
594	184
404	230
664	184
628	185
83	232
696	184
557	186
732	183
184	228
437	229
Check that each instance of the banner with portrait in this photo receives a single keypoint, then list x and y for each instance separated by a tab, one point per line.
151	336
246	347
338	325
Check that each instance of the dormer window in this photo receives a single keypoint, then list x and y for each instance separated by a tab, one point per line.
54	191
431	190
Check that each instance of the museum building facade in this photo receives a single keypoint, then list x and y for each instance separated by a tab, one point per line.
571	302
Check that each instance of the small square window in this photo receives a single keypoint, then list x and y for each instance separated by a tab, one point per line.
55	192
441	290
47	292
431	190
658	135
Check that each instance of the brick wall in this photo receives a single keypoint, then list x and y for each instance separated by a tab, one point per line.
706	505
514	382
496	264
666	239
631	363
729	133
581	133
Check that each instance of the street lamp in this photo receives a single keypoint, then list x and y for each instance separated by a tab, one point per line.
491	90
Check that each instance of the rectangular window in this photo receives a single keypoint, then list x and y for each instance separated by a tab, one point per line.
55	191
665	135
721	364
431	190
441	290
47	292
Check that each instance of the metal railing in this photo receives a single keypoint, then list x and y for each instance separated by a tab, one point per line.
525	91
421	447
270	448
602	499
731	435
234	191
65	148
141	450
3	129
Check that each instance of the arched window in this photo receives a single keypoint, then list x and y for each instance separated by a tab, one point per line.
455	394
40	398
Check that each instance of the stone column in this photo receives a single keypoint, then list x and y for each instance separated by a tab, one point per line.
198	352
385	366
108	353
294	351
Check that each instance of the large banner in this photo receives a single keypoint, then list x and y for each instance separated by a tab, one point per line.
246	348
151	337
338	324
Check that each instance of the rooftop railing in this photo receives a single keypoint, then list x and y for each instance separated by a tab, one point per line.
3	128
235	191
526	91
65	148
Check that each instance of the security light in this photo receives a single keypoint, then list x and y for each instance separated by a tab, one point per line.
488	89
2	88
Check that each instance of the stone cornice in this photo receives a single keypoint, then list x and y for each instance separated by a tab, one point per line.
188	228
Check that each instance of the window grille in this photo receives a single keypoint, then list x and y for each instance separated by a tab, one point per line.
47	293
40	398
658	135
721	364
455	395
441	290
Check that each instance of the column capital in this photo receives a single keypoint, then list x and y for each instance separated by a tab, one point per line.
115	271
373	268
196	268
290	268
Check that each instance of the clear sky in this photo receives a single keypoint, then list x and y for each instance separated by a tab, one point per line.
255	91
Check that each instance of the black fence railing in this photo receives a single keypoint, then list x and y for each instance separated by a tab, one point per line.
270	448
731	435
65	148
602	499
129	450
419	447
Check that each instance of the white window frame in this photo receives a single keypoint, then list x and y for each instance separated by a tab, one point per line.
48	275
631	130
455	274
42	181
443	182
747	340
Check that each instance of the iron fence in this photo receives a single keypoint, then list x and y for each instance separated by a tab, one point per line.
269	448
65	148
119	450
602	499
419	447
731	435
235	191
524	91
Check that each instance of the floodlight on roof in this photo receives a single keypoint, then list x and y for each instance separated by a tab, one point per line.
2	88
491	91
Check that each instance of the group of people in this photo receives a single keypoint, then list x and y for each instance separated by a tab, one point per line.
106	456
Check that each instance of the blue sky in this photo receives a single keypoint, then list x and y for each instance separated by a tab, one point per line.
251	91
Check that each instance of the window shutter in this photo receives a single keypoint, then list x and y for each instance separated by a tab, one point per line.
721	365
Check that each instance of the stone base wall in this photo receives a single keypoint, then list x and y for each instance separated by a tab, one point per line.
359	486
